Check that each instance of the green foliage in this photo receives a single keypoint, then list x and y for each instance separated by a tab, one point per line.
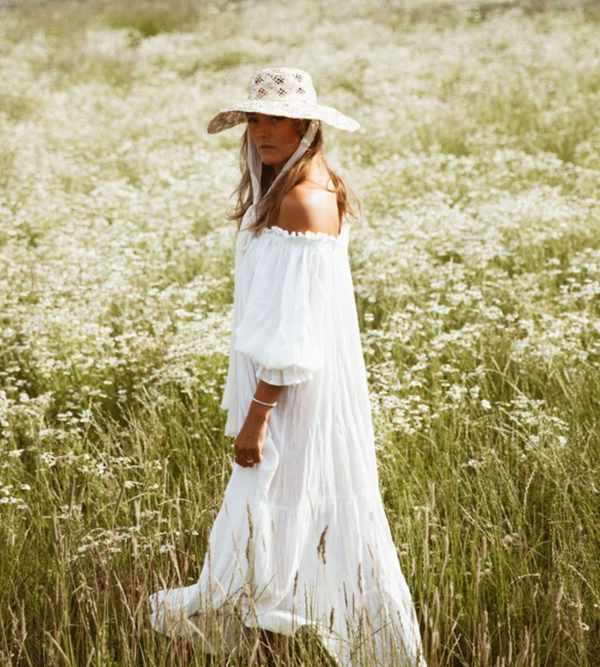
153	18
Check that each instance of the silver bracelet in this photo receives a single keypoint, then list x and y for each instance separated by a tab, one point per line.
269	405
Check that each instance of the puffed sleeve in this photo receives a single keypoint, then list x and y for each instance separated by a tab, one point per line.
288	288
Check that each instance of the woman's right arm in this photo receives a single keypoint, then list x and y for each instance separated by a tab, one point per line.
249	441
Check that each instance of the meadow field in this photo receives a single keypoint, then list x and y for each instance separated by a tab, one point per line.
476	264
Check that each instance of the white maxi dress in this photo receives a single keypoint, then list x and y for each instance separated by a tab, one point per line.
302	537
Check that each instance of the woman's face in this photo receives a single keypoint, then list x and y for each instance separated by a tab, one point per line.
275	137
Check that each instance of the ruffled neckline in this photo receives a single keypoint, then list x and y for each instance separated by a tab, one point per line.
280	232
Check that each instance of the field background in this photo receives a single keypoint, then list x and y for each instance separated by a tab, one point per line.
477	273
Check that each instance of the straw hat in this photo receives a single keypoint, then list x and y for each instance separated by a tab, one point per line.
281	91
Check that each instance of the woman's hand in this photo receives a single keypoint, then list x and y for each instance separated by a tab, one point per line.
249	442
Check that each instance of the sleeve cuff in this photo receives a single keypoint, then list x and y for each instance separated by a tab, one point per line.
284	376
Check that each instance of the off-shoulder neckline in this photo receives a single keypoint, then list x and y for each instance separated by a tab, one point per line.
309	235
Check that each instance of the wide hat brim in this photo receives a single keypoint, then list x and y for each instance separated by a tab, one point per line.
235	114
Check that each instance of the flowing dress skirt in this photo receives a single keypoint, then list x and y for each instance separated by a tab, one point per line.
302	538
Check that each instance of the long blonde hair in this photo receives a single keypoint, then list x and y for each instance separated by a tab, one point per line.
267	209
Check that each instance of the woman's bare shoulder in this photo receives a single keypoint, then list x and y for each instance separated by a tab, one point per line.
309	207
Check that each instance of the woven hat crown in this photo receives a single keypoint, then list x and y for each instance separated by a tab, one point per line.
282	84
281	91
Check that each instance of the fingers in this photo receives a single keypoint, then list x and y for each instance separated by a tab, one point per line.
247	457
244	463
246	460
248	446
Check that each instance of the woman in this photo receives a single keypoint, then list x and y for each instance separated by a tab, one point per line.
302	538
